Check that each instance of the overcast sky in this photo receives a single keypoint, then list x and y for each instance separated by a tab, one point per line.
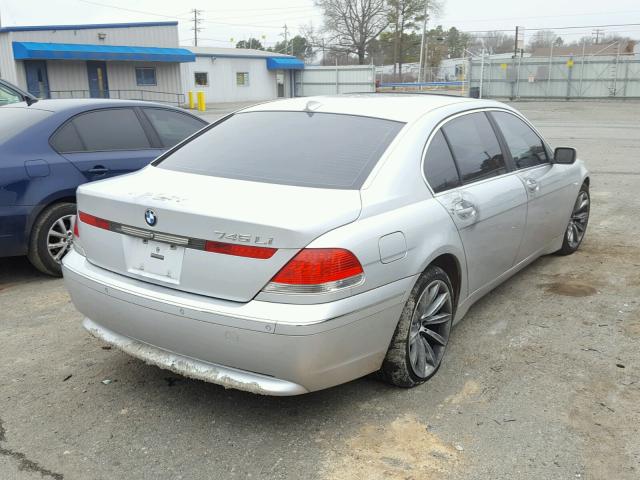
240	19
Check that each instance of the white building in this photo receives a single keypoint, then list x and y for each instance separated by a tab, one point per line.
125	60
237	75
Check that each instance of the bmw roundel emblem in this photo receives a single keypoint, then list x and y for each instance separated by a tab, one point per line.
150	217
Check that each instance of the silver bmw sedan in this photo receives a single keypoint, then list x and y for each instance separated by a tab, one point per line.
303	243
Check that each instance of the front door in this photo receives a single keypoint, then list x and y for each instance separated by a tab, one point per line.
37	78
550	192
98	82
280	83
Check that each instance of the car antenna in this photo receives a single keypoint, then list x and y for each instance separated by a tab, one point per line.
311	106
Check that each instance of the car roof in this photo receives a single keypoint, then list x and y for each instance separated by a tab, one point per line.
78	104
392	106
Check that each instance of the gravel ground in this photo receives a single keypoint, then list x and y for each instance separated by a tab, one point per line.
541	380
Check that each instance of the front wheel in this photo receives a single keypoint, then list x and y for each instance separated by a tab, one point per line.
577	227
422	334
51	238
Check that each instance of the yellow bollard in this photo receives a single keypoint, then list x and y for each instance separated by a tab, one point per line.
202	106
192	103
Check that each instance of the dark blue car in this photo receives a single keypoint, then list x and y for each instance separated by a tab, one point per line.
50	147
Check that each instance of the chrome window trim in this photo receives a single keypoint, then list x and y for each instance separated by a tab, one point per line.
477	182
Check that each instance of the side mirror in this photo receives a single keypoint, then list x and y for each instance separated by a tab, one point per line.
564	155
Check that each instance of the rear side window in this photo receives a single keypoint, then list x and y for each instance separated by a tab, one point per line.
527	150
111	129
172	127
67	140
439	168
475	147
320	150
16	120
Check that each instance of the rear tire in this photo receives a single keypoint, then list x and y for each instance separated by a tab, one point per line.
51	238
419	342
577	227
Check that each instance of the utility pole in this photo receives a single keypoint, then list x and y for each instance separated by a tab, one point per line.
196	22
597	32
286	39
423	44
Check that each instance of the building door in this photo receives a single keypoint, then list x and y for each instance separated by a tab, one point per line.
280	83
98	82
37	78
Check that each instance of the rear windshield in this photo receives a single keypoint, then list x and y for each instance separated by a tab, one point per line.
290	148
14	120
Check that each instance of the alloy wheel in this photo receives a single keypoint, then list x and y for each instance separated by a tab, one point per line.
579	219
430	327
60	237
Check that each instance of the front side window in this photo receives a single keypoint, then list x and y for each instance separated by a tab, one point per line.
146	76
475	147
8	96
172	127
319	150
242	79
527	150
111	129
439	168
201	79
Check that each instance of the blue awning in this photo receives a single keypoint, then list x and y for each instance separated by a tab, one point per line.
284	63
74	51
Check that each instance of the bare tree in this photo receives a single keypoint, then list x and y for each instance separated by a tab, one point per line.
544	39
351	25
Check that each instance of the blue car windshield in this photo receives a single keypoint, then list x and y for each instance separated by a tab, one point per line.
14	120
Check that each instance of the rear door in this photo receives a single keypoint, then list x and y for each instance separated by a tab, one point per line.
106	142
488	204
548	188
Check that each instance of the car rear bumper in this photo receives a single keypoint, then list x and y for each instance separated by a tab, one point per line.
262	347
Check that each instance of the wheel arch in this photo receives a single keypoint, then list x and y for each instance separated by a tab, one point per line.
65	197
451	265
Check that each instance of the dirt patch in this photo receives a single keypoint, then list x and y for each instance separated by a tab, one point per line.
632	328
404	449
470	389
570	289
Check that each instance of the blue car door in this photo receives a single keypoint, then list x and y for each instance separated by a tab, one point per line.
106	142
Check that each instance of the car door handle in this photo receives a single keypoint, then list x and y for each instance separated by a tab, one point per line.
532	185
464	210
98	170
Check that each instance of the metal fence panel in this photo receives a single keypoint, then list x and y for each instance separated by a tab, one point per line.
573	77
315	80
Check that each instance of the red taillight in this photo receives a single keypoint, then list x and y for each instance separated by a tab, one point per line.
94	221
76	233
239	250
316	266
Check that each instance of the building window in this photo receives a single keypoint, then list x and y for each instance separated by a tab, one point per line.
201	79
242	79
146	76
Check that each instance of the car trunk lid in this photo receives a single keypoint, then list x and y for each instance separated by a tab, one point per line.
200	209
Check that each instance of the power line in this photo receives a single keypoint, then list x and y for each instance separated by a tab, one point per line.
555	28
500	19
173	17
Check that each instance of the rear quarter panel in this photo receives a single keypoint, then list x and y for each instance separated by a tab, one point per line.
25	192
